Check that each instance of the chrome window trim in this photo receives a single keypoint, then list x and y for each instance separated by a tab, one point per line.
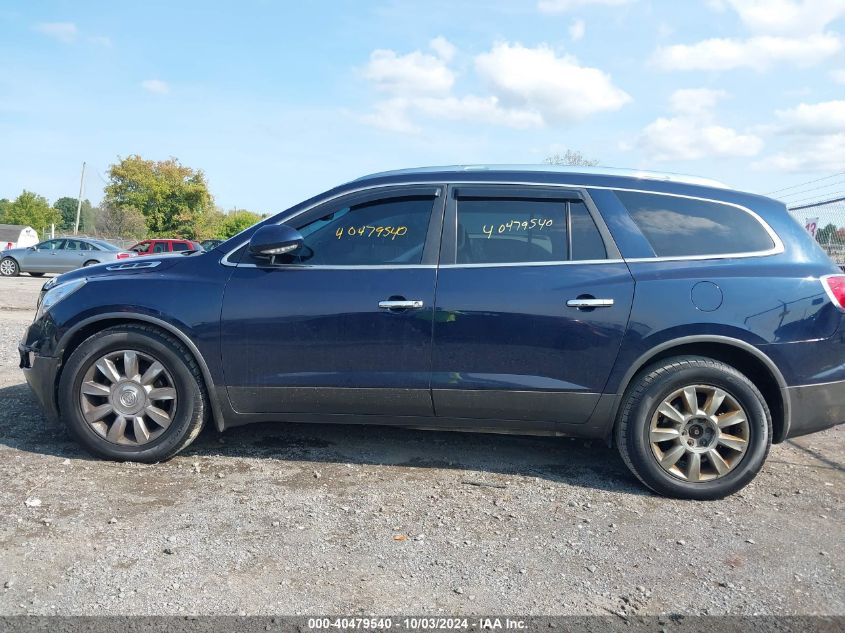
776	250
530	264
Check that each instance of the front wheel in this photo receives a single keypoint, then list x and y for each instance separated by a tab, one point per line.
133	393
9	267
693	428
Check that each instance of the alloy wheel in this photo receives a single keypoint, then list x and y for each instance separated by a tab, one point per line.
128	397
7	267
699	433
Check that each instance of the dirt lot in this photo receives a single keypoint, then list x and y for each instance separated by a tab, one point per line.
294	519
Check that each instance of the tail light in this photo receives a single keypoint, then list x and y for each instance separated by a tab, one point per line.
834	285
124	255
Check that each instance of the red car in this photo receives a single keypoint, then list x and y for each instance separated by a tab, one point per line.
154	247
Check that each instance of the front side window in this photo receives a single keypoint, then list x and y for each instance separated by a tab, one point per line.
683	227
525	230
381	232
51	245
160	247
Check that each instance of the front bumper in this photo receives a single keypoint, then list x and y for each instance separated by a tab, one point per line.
816	407
40	373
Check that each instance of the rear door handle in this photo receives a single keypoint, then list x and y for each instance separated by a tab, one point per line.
590	303
403	304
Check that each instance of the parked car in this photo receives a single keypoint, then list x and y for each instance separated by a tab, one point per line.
689	324
155	247
58	255
207	245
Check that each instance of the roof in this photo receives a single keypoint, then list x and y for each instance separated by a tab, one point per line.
636	174
11	232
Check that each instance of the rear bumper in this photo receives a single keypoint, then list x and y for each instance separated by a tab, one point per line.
40	373
815	407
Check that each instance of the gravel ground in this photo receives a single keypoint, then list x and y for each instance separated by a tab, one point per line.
296	519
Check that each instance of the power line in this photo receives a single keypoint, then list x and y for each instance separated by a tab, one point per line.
821	203
809	182
817	199
835	183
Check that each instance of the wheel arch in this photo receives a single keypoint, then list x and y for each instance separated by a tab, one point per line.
759	368
74	337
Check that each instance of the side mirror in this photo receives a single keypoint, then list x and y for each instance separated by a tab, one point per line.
274	239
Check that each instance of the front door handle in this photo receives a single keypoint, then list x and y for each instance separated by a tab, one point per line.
403	304
590	303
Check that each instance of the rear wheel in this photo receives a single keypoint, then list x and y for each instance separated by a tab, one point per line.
36	274
133	393
693	428
9	267
90	262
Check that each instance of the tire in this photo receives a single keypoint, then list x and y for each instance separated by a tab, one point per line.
180	375
9	267
90	262
36	274
736	434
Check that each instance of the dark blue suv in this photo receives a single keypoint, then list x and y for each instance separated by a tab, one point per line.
690	324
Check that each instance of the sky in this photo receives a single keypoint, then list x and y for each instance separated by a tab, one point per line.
278	101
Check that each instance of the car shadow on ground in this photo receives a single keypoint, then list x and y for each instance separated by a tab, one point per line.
480	457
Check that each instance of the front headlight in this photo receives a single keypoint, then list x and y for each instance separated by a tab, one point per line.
57	293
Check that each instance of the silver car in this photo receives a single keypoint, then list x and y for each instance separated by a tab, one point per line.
58	256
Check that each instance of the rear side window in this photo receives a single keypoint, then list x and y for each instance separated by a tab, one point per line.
525	230
683	227
181	246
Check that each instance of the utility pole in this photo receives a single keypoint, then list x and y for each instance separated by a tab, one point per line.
79	200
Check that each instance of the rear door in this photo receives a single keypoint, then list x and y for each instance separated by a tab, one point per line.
532	303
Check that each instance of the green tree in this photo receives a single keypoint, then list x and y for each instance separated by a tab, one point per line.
173	198
123	222
572	158
827	235
67	207
4	206
30	209
210	225
237	220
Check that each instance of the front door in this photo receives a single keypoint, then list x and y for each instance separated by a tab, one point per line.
532	303
46	257
344	325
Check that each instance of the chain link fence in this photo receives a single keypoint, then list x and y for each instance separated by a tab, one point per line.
826	221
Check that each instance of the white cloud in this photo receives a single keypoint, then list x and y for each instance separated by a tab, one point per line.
693	133
537	79
156	86
815	134
414	73
101	40
785	17
696	101
527	87
808	154
838	75
562	6
577	30
62	31
758	53
827	117
443	48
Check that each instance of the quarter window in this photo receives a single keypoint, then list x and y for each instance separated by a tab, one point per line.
525	230
679	227
380	232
